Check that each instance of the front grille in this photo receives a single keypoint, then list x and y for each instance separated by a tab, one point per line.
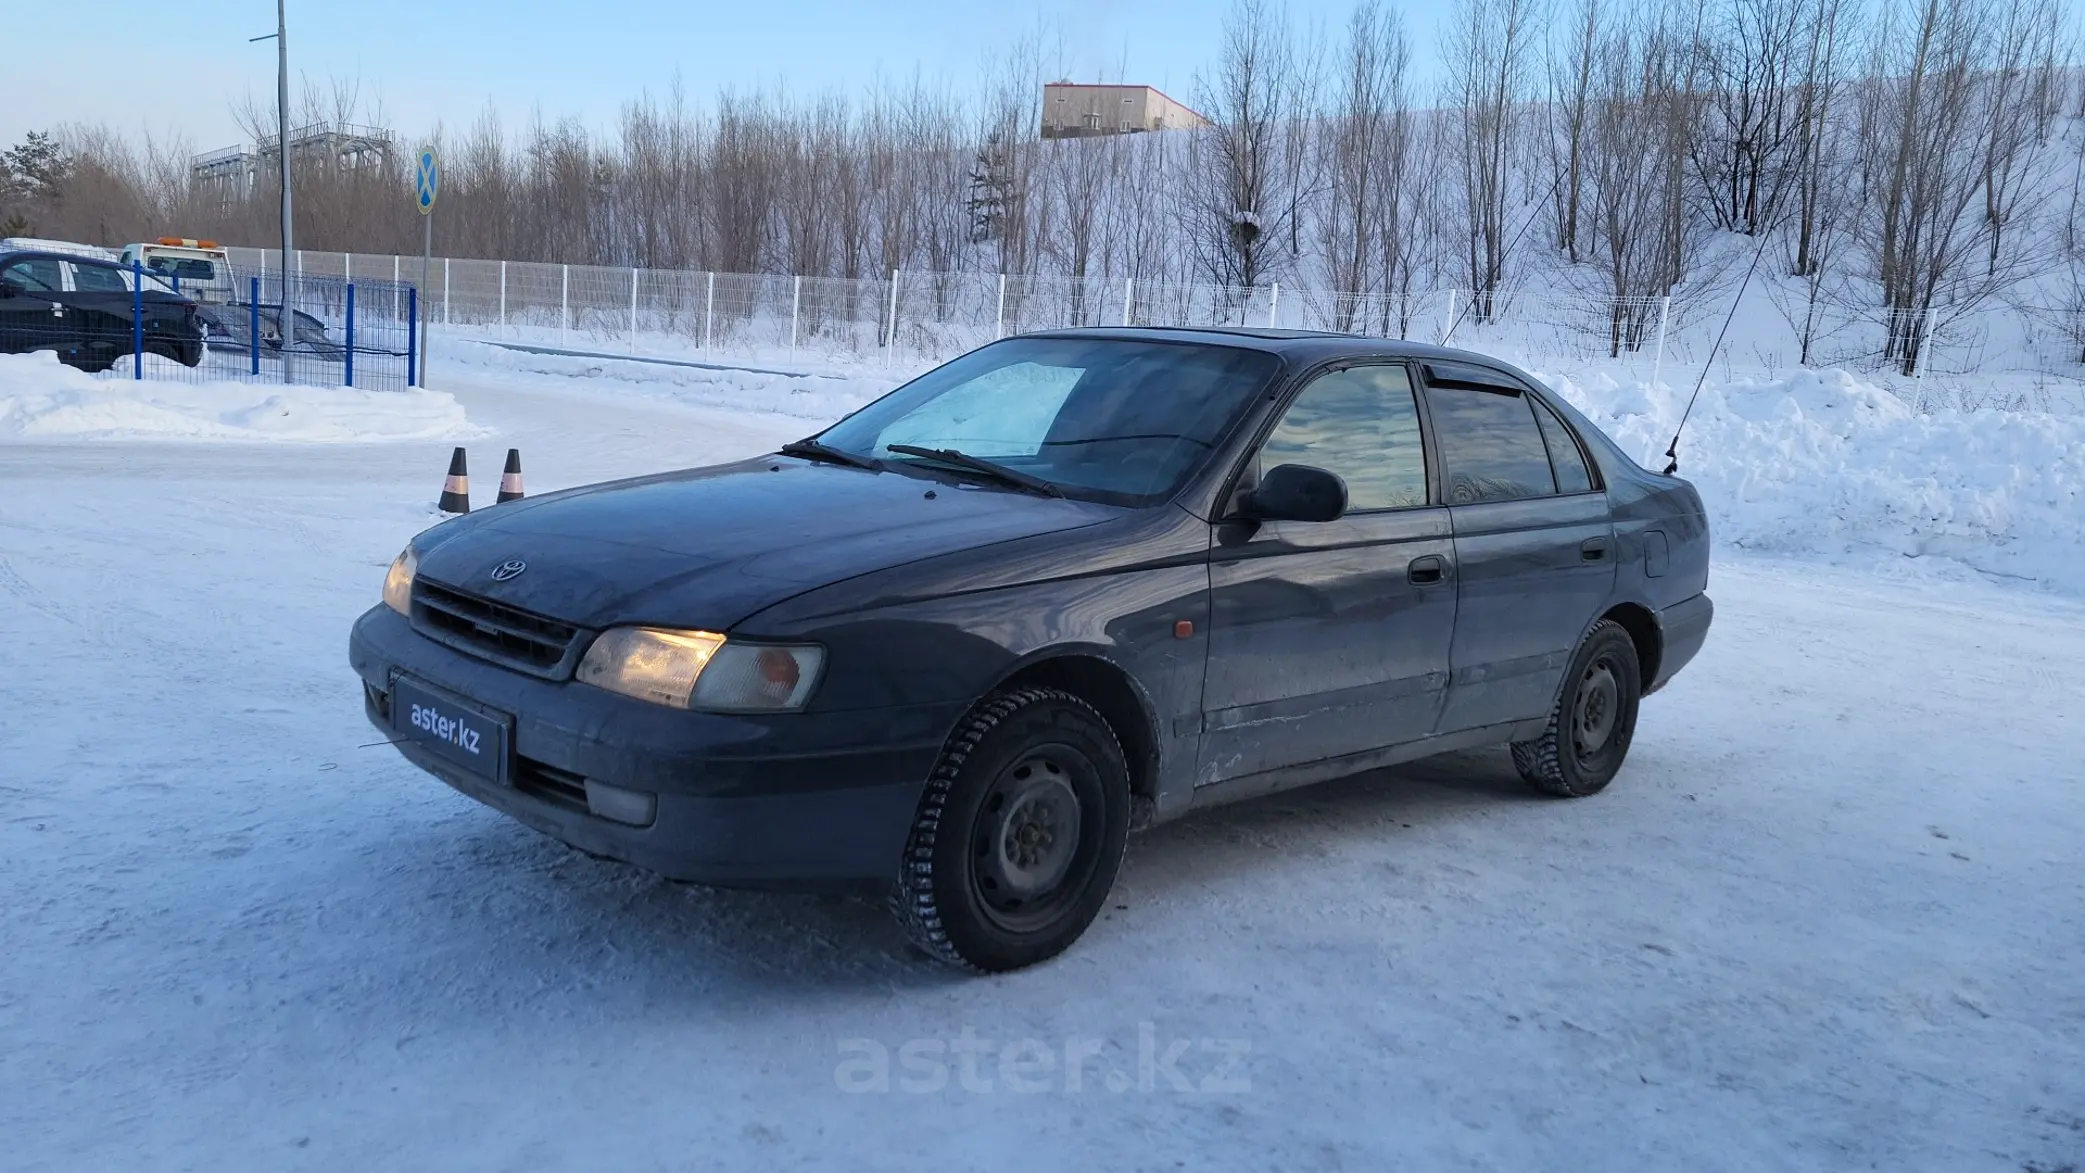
549	783
495	631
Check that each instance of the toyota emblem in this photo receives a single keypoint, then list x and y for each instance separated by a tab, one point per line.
508	569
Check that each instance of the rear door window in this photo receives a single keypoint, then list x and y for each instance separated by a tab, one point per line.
92	278
1491	446
1565	456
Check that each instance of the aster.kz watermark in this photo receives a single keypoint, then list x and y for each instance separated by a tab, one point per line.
970	1062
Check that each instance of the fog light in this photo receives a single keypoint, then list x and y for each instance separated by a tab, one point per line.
635	807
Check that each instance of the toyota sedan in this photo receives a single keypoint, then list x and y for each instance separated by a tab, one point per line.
959	644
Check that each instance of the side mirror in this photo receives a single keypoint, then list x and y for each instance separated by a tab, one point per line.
1297	492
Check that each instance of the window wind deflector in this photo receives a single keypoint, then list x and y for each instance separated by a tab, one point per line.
1473	378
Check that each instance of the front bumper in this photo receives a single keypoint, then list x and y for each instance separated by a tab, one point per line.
798	800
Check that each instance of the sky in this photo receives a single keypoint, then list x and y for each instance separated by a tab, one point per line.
428	63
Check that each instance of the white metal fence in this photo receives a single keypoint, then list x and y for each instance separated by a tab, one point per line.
907	317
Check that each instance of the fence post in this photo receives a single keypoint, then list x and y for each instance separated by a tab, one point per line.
300	265
709	310
1658	361
412	336
503	295
890	339
253	322
1273	303
999	323
445	291
394	287
347	266
633	309
1925	348
137	320
1448	323
564	304
1129	300
796	302
349	361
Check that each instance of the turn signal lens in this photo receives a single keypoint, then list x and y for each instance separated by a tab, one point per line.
757	677
398	585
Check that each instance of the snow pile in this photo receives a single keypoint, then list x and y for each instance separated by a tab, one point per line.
43	399
817	390
1823	464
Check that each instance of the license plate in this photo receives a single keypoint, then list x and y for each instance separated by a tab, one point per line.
456	730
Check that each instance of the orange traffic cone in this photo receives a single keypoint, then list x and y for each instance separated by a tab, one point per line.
510	480
456	488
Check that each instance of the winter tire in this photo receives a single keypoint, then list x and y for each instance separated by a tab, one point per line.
1019	833
1594	719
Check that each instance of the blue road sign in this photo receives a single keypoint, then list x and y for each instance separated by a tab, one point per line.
427	179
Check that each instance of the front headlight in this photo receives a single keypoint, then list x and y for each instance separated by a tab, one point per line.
701	670
398	585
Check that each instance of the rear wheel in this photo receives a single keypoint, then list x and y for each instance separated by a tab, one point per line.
1019	834
1594	720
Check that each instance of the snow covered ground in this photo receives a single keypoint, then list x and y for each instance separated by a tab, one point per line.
1829	917
43	399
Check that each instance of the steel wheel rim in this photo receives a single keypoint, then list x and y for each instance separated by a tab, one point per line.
1036	837
1596	714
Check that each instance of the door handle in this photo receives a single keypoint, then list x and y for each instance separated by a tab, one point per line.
1594	549
1426	571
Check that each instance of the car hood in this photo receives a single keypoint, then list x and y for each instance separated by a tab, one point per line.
705	548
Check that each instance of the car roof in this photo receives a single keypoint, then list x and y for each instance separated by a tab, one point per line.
70	250
1302	346
45	254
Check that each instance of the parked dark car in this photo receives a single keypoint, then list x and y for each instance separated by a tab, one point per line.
961	642
85	310
230	327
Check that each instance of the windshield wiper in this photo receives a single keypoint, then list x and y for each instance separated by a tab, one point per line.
820	450
979	464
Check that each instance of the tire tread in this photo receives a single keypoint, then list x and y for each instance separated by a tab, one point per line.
912	899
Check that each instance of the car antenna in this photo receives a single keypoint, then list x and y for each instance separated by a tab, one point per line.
1766	233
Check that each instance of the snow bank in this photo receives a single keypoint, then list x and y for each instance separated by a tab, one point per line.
43	399
1822	464
820	390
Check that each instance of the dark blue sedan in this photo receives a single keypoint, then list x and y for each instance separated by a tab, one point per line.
960	643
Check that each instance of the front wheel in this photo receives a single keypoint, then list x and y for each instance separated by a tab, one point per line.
1018	835
1594	720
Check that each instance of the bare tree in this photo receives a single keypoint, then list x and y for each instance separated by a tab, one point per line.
1931	89
1570	93
1817	162
1362	142
1751	133
1489	46
1241	203
1639	90
2022	71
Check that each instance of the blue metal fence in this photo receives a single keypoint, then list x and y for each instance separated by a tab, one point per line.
243	326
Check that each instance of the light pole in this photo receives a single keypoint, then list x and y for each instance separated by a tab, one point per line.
285	326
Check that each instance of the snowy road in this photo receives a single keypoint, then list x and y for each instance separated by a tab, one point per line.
1829	917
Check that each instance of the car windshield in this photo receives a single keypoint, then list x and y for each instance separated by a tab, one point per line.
1109	419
